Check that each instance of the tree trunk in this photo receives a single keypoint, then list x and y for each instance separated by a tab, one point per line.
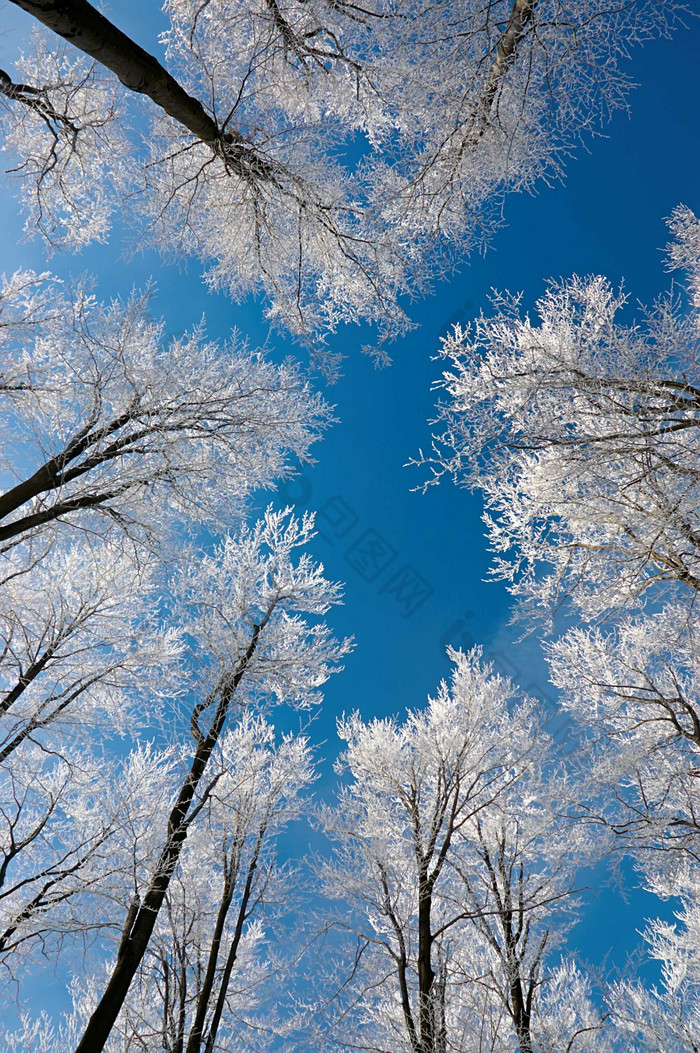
426	973
520	16
194	1043
521	1015
85	28
232	954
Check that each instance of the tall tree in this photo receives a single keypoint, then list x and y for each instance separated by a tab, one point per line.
249	643
118	446
450	851
82	833
583	434
209	962
452	105
211	973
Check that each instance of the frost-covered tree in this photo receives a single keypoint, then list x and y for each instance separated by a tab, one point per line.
111	845
209	955
106	424
459	871
209	974
53	831
665	1018
582	432
634	686
79	642
249	642
115	443
441	108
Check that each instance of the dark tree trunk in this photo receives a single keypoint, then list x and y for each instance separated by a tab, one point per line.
56	511
521	1015
426	973
85	28
194	1043
232	954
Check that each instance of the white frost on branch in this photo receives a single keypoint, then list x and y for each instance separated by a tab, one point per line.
109	424
66	137
259	578
344	154
458	871
583	434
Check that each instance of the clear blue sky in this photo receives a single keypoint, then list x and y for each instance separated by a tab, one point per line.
393	546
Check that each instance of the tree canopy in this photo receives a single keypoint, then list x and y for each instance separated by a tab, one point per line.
166	640
320	153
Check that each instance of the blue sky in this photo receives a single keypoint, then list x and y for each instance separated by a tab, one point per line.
393	546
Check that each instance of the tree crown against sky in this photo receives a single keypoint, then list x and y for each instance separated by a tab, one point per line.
459	872
117	447
107	419
217	635
581	431
209	973
121	449
318	152
250	616
208	977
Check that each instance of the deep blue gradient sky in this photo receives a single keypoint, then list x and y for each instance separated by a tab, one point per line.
391	545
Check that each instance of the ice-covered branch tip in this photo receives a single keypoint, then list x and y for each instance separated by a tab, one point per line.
684	250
